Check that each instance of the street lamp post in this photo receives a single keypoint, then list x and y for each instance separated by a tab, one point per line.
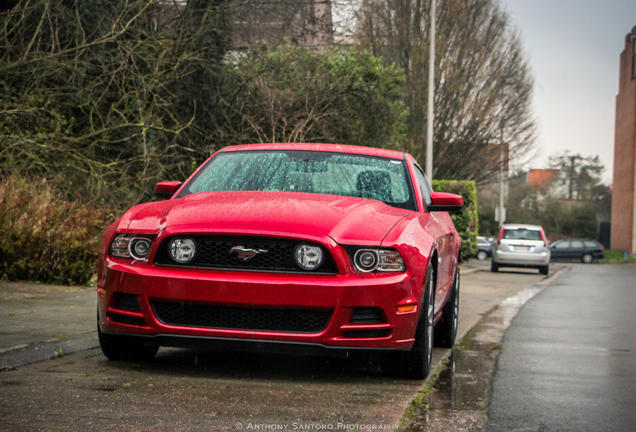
431	94
501	213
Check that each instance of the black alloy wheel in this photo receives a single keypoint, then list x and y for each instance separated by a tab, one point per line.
416	363
446	328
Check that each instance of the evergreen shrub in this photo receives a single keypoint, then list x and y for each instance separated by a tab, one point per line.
466	222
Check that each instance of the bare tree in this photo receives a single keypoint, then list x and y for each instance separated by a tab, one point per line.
483	86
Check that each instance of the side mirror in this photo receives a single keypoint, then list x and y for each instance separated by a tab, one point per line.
448	202
166	189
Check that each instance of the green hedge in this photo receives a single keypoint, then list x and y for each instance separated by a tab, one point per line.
466	222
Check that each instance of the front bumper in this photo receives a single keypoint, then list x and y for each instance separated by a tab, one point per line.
129	295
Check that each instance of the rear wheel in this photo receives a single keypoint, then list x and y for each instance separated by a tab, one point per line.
446	328
124	348
416	363
494	267
482	255
544	270
587	258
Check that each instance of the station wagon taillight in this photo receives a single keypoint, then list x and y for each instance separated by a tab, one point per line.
501	233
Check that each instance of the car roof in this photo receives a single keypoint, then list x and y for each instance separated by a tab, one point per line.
335	148
523	226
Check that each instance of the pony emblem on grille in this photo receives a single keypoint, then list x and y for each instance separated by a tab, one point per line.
246	254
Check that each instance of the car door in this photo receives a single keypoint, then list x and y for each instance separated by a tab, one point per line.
559	250
576	249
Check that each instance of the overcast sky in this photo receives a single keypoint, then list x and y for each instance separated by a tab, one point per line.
574	48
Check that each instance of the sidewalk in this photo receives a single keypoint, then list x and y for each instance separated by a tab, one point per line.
41	321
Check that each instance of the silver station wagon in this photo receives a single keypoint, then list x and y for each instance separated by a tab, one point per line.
521	246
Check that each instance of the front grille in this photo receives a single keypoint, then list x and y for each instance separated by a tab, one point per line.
213	252
234	318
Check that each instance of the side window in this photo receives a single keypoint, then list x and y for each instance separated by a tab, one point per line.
577	244
563	245
422	182
591	245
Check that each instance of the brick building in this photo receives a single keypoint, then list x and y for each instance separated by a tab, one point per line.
624	184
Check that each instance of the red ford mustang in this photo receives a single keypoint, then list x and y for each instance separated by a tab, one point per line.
298	248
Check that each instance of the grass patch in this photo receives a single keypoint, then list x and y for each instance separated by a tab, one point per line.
612	256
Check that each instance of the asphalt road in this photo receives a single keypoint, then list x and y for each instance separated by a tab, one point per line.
186	390
569	358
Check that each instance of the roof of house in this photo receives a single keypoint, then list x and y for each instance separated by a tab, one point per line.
541	178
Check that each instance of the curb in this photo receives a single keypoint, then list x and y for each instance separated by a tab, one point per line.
24	355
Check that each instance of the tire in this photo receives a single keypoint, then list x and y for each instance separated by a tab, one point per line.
587	259
544	270
482	255
446	328
494	267
125	348
416	363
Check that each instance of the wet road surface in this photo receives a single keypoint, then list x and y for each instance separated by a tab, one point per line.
568	361
185	390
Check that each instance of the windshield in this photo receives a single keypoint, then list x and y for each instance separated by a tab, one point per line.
352	175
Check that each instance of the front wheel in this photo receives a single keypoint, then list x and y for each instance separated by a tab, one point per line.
446	328
416	363
124	348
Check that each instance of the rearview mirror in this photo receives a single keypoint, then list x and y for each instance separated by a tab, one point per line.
166	189
448	202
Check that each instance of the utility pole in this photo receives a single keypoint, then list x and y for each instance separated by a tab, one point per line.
502	210
501	213
431	95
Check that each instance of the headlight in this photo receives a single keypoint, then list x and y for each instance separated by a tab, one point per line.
382	260
366	260
134	246
182	250
308	257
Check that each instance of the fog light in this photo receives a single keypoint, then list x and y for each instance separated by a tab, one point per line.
182	250
308	257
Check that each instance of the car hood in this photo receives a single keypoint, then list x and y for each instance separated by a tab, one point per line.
346	220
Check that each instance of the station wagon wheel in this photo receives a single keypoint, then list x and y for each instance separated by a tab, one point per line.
446	328
416	363
587	258
482	255
124	348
